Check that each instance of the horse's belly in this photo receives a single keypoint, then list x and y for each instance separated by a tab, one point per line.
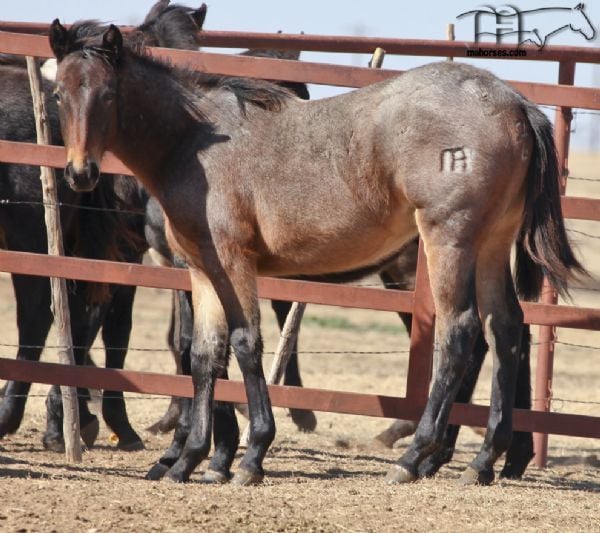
339	252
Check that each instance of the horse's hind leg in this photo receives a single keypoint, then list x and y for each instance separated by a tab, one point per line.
452	273
34	319
502	321
116	331
443	455
520	452
304	419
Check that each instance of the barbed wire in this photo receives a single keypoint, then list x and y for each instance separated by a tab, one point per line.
583	233
167	350
577	178
570	344
575	111
300	352
547	399
6	201
144	397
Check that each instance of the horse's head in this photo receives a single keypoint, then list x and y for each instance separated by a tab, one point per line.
171	26
582	24
86	91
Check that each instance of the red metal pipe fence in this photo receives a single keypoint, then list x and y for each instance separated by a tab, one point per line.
419	302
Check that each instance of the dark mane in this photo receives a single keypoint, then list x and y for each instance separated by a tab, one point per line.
85	34
260	93
87	37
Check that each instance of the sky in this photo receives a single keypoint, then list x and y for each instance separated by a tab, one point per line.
383	18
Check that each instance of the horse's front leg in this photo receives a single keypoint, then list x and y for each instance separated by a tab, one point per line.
208	355
243	314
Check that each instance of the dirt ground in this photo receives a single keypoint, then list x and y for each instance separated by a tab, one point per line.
331	480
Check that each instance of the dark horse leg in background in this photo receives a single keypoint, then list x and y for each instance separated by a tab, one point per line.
175	342
115	319
304	419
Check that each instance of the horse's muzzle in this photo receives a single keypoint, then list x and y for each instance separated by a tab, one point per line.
83	180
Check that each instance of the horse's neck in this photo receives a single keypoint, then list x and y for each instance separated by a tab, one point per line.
153	122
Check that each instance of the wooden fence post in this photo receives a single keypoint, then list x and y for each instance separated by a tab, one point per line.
60	302
450	36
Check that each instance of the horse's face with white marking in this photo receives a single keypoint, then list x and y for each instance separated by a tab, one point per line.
86	91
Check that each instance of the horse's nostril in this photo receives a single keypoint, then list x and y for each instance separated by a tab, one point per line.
93	171
69	170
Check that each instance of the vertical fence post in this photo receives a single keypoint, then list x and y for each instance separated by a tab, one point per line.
60	302
545	355
420	360
450	37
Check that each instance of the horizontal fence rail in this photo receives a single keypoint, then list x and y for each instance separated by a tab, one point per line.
282	289
320	73
354	44
289	397
55	156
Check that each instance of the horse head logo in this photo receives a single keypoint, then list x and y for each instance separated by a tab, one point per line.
536	26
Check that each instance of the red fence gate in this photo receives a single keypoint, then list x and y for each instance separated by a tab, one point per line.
418	302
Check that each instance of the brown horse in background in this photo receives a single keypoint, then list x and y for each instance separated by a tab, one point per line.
254	181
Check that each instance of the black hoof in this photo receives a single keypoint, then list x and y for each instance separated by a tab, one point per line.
157	472
53	443
132	446
175	475
9	427
515	470
89	432
305	421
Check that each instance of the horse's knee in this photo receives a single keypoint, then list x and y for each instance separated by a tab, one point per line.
209	351
247	344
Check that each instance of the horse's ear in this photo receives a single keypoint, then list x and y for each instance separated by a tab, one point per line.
59	39
199	15
156	10
112	42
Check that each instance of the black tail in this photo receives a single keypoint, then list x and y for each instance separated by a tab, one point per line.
543	248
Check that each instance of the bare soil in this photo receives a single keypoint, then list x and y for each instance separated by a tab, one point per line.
331	480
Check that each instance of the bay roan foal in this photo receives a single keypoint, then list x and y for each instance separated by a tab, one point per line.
254	181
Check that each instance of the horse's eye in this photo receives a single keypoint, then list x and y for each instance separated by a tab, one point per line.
108	97
57	96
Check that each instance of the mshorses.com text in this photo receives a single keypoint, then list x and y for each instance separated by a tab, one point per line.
482	52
